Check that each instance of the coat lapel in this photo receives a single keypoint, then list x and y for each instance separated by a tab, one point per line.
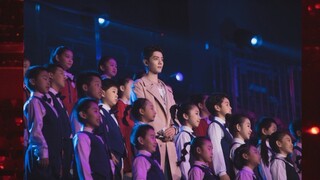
154	91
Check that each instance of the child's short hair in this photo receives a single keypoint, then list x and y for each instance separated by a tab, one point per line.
277	136
82	106
32	73
195	143
295	126
180	109
197	98
52	68
85	78
104	60
58	51
148	51
235	119
264	122
239	161
215	99
108	83
139	131
136	106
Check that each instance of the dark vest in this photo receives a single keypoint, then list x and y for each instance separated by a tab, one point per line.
154	173
208	173
226	142
62	112
298	159
99	158
290	170
51	131
113	136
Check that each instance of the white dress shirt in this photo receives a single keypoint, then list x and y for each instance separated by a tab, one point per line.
34	112
278	168
180	139
265	169
236	142
215	134
82	150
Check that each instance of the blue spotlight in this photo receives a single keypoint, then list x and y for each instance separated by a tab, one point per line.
37	8
256	41
179	76
206	46
101	20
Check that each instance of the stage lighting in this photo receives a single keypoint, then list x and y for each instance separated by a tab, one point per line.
245	38
103	21
314	130
179	76
256	41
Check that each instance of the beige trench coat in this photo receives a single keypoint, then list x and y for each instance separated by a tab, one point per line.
144	88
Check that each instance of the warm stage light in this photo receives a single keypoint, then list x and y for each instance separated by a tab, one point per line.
314	130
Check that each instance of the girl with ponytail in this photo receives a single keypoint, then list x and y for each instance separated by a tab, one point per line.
189	117
265	128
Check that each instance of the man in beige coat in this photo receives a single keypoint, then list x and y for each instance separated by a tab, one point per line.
156	91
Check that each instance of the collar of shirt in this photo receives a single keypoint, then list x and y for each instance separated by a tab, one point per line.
200	163
186	128
87	129
37	94
139	123
238	140
105	106
54	92
69	75
247	169
222	121
144	152
280	156
103	76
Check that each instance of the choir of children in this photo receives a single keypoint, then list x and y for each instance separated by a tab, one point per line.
127	129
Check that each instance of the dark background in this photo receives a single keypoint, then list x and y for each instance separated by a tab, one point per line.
263	81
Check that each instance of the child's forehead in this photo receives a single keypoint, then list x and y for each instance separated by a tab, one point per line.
225	99
43	73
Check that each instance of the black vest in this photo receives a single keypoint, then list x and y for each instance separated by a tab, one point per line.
113	136
290	170
63	116
99	158
298	159
51	131
208	173
154	173
226	142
